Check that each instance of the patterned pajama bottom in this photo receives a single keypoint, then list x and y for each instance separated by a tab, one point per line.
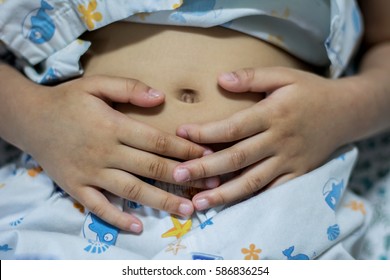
314	216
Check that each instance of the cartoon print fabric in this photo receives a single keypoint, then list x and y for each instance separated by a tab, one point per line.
46	32
42	27
371	180
311	217
273	225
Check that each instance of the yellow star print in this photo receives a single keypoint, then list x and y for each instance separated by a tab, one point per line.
178	229
78	206
89	15
32	172
142	16
175	247
357	206
177	5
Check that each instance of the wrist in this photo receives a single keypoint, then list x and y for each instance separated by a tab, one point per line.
364	103
21	99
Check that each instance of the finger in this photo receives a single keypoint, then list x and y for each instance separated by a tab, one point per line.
130	187
98	204
143	137
239	156
242	186
123	90
282	179
240	125
152	166
256	79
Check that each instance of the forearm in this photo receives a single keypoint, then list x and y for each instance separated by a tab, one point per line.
18	105
367	95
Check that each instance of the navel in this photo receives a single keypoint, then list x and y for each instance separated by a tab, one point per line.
187	95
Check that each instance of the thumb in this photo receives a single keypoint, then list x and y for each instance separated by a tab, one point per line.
265	79
123	90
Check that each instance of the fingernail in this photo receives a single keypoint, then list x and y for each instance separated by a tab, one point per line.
181	175
135	228
201	204
185	209
229	77
212	182
154	93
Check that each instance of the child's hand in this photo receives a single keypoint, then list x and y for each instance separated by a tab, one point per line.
290	132
87	147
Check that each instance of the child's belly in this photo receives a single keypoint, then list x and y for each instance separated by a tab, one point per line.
183	63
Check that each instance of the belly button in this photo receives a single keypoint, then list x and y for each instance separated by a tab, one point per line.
188	95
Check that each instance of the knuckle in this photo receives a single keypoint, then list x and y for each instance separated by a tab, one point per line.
169	204
191	152
233	130
252	184
98	210
283	112
218	198
196	134
133	191
158	169
161	143
131	85
248	74
202	170
238	159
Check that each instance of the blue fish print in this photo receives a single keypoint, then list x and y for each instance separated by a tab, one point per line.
133	205
105	232
5	248
342	157
96	247
288	253
51	76
333	232
199	7
194	8
206	257
16	222
42	26
206	223
333	196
